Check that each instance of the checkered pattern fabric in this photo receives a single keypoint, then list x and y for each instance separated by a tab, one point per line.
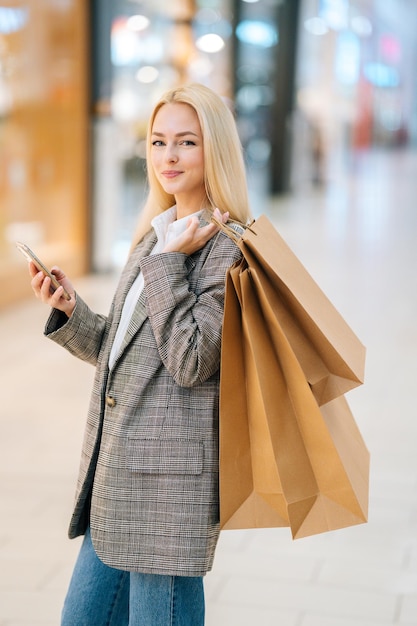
148	482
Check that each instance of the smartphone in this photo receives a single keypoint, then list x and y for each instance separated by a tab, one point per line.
31	256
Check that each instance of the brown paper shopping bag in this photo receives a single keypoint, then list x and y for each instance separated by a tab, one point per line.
330	354
283	460
242	501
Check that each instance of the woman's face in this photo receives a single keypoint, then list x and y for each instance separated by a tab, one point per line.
177	155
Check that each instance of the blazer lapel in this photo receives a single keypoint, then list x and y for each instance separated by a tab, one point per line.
130	272
139	316
127	279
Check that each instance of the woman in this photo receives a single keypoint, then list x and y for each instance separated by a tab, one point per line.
147	494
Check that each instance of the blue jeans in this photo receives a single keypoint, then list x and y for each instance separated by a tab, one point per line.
99	595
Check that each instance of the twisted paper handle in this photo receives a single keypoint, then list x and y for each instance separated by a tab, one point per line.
232	228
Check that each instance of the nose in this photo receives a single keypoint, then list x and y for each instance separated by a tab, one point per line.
171	153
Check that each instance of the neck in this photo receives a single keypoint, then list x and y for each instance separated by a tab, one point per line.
189	206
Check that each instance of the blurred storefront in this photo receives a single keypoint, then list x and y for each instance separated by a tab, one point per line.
312	82
43	138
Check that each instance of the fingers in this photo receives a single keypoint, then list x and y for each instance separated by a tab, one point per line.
210	229
41	285
55	298
202	235
33	270
58	273
194	237
43	289
221	217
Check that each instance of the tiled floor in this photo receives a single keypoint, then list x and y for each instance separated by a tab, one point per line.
358	239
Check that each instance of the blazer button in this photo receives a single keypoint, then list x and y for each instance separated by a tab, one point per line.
110	401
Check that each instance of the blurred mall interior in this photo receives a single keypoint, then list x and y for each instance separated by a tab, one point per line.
315	84
325	97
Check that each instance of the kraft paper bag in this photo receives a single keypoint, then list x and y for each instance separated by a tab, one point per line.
242	500
284	460
331	355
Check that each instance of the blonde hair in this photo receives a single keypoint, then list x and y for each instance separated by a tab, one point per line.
224	168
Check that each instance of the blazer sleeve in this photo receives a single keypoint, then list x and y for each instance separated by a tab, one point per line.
185	308
81	334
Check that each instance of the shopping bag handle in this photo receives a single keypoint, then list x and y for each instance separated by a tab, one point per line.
233	228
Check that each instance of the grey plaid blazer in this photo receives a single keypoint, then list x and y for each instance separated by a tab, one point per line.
148	481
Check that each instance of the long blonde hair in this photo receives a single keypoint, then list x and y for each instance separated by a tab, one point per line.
224	168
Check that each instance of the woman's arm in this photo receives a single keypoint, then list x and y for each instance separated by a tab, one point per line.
81	334
71	323
187	318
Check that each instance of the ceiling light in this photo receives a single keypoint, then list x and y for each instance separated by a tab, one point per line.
210	43
137	22
147	74
316	26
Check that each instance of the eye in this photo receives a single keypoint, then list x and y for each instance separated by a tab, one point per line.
157	143
187	142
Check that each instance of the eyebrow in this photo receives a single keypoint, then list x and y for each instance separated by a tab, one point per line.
181	134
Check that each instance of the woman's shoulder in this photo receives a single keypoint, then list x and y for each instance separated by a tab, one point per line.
223	250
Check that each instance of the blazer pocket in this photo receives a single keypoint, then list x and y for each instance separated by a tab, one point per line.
165	456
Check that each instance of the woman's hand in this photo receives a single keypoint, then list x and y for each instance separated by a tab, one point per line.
41	286
194	238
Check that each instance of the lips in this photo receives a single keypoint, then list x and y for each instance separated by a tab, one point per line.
171	173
